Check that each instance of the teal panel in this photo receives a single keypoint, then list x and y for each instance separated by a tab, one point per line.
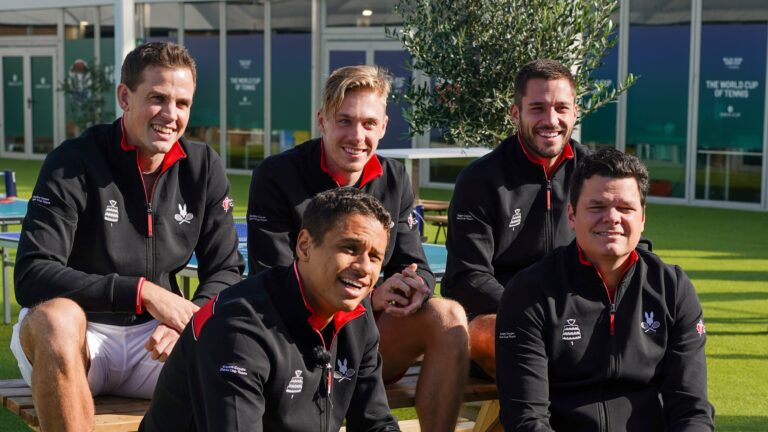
107	61
13	102
42	103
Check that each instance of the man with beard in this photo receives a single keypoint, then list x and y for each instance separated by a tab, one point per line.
509	207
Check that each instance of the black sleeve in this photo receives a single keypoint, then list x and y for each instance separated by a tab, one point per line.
521	358
47	237
407	248
469	274
684	388
231	369
368	410
269	221
219	262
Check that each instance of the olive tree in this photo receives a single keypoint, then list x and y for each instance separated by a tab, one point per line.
472	50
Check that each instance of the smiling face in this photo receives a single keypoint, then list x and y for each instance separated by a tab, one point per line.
608	220
157	112
546	116
352	134
340	270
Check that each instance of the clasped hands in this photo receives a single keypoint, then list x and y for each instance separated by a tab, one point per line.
402	294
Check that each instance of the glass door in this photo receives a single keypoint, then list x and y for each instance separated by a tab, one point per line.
28	101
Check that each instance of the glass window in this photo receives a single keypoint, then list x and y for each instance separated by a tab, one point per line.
729	150
201	37
599	128
291	73
657	105
345	13
245	85
79	52
107	57
29	23
159	22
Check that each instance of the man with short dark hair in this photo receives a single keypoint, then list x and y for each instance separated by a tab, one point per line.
508	207
601	334
352	120
291	349
115	214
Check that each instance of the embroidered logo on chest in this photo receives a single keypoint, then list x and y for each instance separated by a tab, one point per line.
343	372
517	218
296	384
650	325
183	216
571	331
111	214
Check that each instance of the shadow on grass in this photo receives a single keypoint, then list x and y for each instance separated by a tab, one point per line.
741	423
730	275
733	333
738	357
732	296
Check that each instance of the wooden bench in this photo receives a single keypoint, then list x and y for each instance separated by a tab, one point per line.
439	220
120	414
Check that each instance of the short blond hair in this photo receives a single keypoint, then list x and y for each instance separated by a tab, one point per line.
349	78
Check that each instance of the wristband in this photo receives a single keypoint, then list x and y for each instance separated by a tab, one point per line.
139	287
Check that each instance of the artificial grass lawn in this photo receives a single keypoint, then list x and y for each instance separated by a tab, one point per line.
725	252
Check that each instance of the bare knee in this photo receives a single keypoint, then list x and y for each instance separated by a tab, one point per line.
446	314
482	345
56	326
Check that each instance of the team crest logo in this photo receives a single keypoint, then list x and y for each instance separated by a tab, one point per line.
111	214
227	204
183	217
649	325
296	384
342	372
700	329
412	220
571	331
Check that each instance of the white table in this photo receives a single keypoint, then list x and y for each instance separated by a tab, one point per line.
411	156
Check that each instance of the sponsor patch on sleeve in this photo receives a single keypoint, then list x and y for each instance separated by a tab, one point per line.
700	328
227	203
40	200
467	217
257	218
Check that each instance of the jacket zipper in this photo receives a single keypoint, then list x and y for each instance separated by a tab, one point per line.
150	238
328	375
548	217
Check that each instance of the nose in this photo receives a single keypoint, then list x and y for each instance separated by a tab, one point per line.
364	264
169	110
612	216
552	117
357	132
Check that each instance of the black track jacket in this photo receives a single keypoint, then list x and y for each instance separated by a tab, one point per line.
89	233
246	362
561	364
283	185
504	216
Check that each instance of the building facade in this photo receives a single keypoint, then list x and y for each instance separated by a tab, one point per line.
697	115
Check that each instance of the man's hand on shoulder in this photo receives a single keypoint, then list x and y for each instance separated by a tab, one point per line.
161	342
168	308
402	294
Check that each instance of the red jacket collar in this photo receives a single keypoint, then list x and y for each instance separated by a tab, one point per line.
339	318
175	154
567	153
633	258
371	170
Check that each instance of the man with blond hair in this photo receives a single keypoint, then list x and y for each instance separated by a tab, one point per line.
352	120
115	214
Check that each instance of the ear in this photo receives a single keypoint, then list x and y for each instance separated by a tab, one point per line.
571	217
123	94
321	122
303	245
384	126
514	112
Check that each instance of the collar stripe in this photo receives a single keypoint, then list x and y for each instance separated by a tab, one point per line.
371	170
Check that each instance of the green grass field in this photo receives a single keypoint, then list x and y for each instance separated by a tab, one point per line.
725	252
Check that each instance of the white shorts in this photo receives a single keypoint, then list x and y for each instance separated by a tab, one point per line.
120	365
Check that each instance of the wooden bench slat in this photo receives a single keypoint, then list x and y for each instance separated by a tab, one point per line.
16	404
13	383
